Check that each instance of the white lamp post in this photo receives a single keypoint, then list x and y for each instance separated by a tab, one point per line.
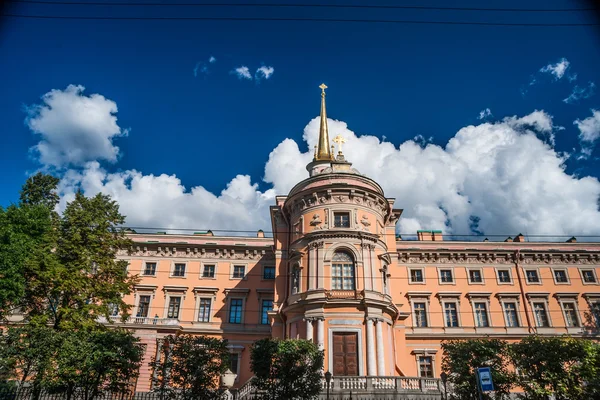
227	380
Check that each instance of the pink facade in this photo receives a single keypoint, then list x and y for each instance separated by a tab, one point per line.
333	271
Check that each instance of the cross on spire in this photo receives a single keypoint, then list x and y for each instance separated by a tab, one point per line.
339	139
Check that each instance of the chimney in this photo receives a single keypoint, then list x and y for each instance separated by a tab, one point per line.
437	235
572	240
508	239
424	235
260	233
519	238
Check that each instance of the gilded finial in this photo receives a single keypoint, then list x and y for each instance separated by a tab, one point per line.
339	139
323	152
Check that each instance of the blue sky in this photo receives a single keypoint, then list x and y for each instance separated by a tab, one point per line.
391	81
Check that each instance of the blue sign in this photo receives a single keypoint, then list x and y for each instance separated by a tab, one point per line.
485	379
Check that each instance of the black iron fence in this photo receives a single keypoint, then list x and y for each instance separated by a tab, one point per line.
28	393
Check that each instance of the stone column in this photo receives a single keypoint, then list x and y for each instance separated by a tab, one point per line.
319	258
380	352
312	265
321	333
309	329
371	367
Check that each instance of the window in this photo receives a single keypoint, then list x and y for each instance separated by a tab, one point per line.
233	362
420	315
295	280
179	270
113	310
595	308
341	220
235	311
174	305
446	276
588	276
208	271
541	315
150	269
239	271
269	272
481	316
571	318
267	305
416	276
204	310
510	313
560	276
425	366
451	314
342	271
475	276
504	276
143	306
532	276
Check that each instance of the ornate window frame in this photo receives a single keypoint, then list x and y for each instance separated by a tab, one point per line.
232	266
541	297
418	353
480	269
185	270
201	292
419	297
452	272
568	282
593	272
539	275
410	281
515	298
174	291
481	297
570	298
510	276
205	263
450	297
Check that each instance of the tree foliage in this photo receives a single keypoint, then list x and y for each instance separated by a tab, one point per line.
287	369
190	367
463	357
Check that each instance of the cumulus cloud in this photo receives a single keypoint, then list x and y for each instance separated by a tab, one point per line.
589	128
264	72
202	67
242	72
579	93
74	128
486	113
558	69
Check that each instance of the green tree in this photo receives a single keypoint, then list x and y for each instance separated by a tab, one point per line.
563	367
190	367
463	357
287	369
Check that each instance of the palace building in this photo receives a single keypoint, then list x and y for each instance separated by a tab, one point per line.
334	271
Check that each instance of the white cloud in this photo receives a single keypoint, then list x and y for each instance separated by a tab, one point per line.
558	69
264	72
212	59
74	128
589	128
581	93
485	113
242	72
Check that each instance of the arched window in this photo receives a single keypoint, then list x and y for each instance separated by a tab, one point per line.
342	271
295	280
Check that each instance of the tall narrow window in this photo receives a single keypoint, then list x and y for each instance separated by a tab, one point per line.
174	306
532	276
571	318
179	269
204	310
510	313
420	315
296	280
143	307
341	220
425	367
208	271
239	271
150	269
541	315
481	316
416	276
451	313
235	311
267	305
560	276
342	269
446	276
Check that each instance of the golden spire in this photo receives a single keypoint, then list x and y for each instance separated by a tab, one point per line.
323	151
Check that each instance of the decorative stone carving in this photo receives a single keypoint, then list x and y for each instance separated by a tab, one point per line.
316	220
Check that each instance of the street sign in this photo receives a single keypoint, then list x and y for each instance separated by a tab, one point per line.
485	379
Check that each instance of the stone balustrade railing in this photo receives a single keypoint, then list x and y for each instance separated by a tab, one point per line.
142	320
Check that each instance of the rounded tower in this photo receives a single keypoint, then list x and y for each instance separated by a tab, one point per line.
335	243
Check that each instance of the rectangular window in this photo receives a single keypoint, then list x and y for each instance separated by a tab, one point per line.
510	312
451	313
596	313
420	315
179	270
446	276
239	271
541	315
341	220
150	269
416	276
348	270
571	318
113	310
481	316
233	362
532	276
560	276
475	276
504	276
208	271
235	311
267	305
143	306
588	276
174	306
204	310
269	272
425	367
